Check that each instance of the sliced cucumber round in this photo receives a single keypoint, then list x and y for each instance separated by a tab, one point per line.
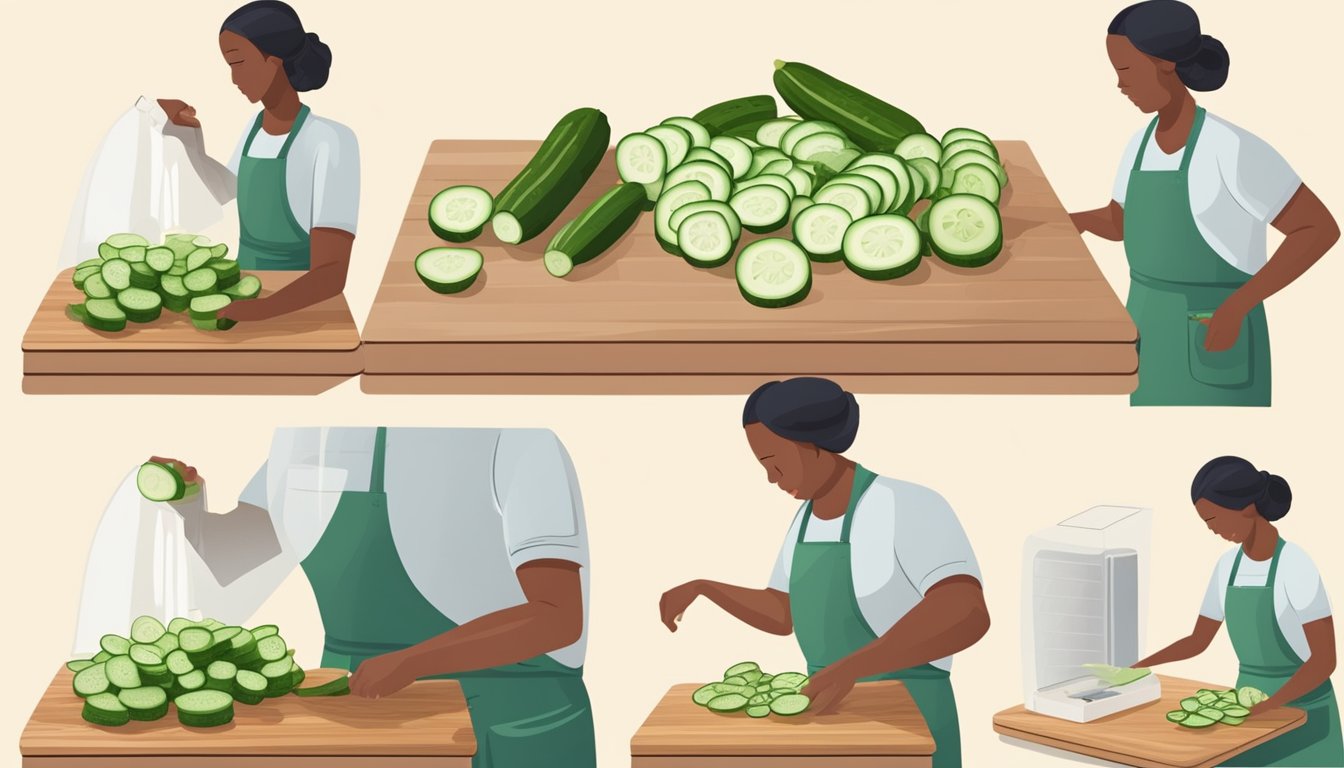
704	694
882	247
758	711
159	482
159	259
789	140
105	709
774	179
449	270
790	705
965	230
738	155
706	239
95	287
104	315
685	193
681	214
247	287
728	702
147	703
122	672
919	145
789	680
1177	715
773	273
640	158
816	144
676	142
763	208
712	175
92	680
835	162
930	171
951	163
741	668
820	231
956	134
770	133
192	681
1197	721
204	709
1249	696
980	145
699	134
977	179
201	282
906	192
117	274
147	656
459	213
852	198
140	305
884	178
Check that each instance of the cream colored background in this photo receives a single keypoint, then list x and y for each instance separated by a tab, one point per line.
671	489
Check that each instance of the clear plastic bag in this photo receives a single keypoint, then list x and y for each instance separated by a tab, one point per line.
149	177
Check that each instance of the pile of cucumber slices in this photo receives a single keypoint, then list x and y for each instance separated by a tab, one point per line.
201	667
745	688
1207	707
132	281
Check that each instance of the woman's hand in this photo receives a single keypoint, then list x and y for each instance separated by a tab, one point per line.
382	675
180	113
829	687
675	601
1225	325
188	472
246	311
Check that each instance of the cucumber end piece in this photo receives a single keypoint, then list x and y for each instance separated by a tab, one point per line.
507	228
780	64
558	263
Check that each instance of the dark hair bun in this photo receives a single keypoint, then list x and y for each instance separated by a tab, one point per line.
308	69
1207	69
1234	483
1278	498
806	410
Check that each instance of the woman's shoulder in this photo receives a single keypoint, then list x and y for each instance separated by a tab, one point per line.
1296	558
326	130
906	494
1226	134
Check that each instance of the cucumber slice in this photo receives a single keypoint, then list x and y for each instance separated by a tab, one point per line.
147	629
178	662
683	194
790	705
145	655
851	197
699	134
105	709
680	215
885	179
707	155
783	182
770	132
104	315
870	188
200	282
706	238
641	158
820	231
778	167
125	240
745	690
789	680
919	145
82	274
763	157
713	176
956	134
976	179
198	258
1249	696
449	270
765	679
159	483
248	287
1208	698
341	686
278	678
177	625
1213	714
704	693
115	645
78	665
753	677
220	674
758	711
773	273
122	672
140	305
196	639
95	287
728	702
1191	705
272	648
931	173
249	687
117	274
176	297
204	310
159	259
979	145
1177	715
763	208
459	213
790	138
204	709
147	703
965	230
736	680
192	681
816	144
676	142
92	680
264	631
738	154
951	163
882	247
1232	720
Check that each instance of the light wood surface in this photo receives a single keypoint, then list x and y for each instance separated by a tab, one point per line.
1143	737
425	724
304	352
878	724
1042	310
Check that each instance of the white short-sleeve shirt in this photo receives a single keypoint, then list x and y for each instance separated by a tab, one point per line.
1299	593
905	539
1238	185
322	175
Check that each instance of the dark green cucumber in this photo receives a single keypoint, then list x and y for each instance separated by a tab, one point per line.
338	687
556	173
596	229
869	122
733	114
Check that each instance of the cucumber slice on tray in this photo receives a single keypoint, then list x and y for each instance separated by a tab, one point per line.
773	273
965	230
882	247
449	270
459	213
204	708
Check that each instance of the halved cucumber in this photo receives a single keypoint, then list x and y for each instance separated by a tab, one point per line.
770	133
884	178
919	145
676	142
104	315
820	231
140	305
685	193
699	134
773	273
459	213
795	133
147	703
790	705
641	158
204	709
965	230
728	702
853	198
105	709
738	155
882	247
449	270
706	239
762	208
717	180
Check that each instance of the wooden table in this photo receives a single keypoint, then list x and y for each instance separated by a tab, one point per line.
878	725
1040	319
1143	737
423	726
305	352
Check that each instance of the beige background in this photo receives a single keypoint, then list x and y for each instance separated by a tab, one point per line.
671	489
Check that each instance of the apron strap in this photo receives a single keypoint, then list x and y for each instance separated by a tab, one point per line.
289	140
862	479
1273	565
1143	146
379	459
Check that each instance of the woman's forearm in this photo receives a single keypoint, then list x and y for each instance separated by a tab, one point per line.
1309	232
1107	223
1187	647
331	250
1316	670
764	609
496	639
951	618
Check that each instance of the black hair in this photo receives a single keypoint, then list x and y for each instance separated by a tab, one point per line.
1235	483
1169	30
275	29
806	410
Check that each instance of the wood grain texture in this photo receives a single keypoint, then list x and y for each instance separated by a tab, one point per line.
877	720
426	722
320	341
1143	737
1043	308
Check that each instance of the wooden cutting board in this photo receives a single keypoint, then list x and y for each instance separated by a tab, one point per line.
878	724
423	726
1041	318
1143	737
305	352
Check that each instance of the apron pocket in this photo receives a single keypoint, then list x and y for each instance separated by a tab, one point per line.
1229	368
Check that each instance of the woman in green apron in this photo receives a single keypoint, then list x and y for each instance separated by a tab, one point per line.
295	175
876	579
1191	202
1278	617
432	553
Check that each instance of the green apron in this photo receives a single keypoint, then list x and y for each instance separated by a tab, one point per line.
829	626
533	713
1174	273
1267	661
269	235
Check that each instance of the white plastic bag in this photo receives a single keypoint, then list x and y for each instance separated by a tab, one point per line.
140	564
148	177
